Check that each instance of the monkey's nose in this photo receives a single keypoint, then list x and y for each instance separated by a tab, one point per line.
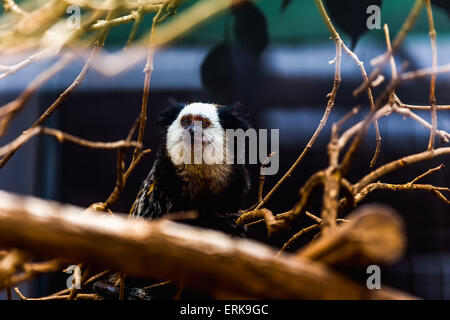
193	128
191	131
194	132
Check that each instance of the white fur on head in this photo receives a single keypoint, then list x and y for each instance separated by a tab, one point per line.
213	151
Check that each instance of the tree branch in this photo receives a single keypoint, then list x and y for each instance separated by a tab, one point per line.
164	249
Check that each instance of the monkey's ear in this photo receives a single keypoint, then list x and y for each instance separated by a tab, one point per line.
167	116
229	119
173	103
230	108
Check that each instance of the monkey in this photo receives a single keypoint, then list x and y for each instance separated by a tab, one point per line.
214	186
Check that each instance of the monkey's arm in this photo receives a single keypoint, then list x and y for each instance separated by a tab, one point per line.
151	202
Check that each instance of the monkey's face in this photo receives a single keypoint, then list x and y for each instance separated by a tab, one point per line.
196	136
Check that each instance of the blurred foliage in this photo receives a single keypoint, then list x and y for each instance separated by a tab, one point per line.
299	23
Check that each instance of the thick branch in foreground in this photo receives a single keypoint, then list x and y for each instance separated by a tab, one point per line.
199	258
374	235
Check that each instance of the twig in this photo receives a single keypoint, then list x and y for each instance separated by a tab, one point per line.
360	64
179	291
63	96
375	235
189	19
10	70
355	129
336	128
121	286
295	237
405	187
397	164
138	154
402	187
98	46
121	175
195	15
97	276
330	105
148	70
160	284
115	22
33	269
430	171
323	121
9	110
43	267
258	214
314	181
383	59
80	296
262	178
279	222
9	265
135	16
398	108
319	220
120	183
415	107
331	186
112	5
389	47
61	137
312	216
10	5
137	21
19	294
67	291
425	72
433	76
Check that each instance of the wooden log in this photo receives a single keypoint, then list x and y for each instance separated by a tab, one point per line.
374	235
199	258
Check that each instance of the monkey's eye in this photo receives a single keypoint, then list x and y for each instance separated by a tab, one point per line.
205	123
185	121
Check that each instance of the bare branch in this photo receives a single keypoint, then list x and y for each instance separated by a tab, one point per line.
10	5
159	248
383	59
360	64
330	105
10	70
433	76
8	111
61	137
374	235
397	164
406	187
